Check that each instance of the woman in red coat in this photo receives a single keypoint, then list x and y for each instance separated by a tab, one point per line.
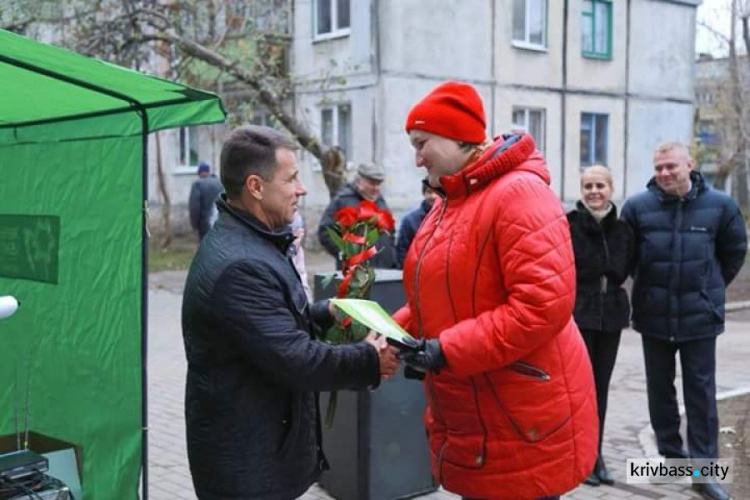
490	284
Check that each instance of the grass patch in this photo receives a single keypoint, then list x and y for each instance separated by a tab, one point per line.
175	258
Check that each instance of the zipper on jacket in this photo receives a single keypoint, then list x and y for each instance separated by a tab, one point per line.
530	370
603	282
440	461
419	265
674	268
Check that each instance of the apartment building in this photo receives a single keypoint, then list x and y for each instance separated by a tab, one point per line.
594	81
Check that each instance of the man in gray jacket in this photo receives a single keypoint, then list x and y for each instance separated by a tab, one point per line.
203	194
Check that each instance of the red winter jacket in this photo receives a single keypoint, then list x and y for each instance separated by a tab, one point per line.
491	273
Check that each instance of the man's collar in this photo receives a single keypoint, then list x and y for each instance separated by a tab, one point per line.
281	238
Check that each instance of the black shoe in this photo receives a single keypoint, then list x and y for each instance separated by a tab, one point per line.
601	471
711	491
592	480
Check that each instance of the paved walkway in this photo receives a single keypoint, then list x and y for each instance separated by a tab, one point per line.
627	435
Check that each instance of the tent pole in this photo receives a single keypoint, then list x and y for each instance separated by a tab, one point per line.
144	305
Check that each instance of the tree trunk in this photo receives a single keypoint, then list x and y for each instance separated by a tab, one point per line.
740	185
739	104
166	206
720	180
331	163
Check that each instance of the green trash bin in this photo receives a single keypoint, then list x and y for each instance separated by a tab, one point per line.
377	447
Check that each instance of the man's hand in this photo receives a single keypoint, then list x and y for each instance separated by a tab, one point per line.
388	355
427	356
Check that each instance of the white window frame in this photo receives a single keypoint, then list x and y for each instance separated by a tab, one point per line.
593	136
336	130
541	142
183	151
526	43
335	32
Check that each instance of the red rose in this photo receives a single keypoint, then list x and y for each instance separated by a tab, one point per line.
367	210
347	216
385	221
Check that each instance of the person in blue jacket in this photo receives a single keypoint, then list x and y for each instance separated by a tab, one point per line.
412	220
690	244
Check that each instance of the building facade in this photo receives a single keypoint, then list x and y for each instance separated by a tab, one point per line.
719	149
594	81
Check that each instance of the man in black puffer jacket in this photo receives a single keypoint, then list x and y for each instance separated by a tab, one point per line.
254	368
691	243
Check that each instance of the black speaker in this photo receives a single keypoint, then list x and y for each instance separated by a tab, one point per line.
377	447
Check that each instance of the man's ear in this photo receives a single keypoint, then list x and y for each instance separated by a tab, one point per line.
254	187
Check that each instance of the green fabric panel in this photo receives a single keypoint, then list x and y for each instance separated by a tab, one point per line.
59	98
185	114
29	247
40	97
117	125
80	339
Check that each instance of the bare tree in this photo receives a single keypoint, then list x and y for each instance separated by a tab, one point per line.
730	106
214	44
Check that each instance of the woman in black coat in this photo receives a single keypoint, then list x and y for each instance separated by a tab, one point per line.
604	249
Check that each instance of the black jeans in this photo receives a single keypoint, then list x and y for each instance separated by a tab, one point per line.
698	364
602	348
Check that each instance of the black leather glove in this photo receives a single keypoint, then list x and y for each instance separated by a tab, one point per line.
412	374
426	356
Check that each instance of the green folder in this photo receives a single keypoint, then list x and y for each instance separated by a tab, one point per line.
370	314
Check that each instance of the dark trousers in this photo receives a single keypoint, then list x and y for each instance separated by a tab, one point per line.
602	348
698	365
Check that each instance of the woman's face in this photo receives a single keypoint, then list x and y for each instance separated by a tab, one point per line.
439	155
595	190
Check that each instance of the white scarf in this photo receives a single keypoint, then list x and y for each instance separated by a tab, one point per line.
598	215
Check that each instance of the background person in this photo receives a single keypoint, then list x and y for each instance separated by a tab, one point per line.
691	242
202	202
254	367
490	286
412	220
365	186
603	247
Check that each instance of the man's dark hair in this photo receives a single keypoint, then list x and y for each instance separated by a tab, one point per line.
250	150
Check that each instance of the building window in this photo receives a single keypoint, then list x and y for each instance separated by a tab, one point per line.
332	18
594	137
189	146
596	29
336	128
532	121
530	23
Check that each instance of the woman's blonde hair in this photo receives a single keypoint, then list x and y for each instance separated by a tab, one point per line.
601	170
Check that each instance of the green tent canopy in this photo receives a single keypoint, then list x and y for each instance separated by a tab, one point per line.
73	248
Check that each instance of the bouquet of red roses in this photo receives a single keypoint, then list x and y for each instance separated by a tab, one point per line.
355	234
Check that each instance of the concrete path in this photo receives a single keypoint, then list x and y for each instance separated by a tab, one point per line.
627	434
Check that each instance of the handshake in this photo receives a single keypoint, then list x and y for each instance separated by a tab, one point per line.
420	356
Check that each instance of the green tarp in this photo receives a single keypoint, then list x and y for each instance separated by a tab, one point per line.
71	249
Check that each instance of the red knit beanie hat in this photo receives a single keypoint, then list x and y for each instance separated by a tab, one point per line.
453	110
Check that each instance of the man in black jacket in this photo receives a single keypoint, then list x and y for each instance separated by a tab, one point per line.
202	201
254	368
366	186
412	220
691	243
